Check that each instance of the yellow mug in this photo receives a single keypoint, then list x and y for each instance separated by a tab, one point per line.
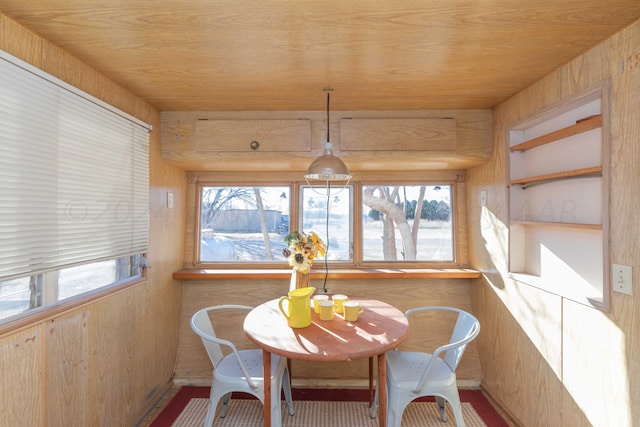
326	309
338	300
352	310
316	300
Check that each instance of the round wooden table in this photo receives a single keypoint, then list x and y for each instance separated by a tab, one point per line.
380	328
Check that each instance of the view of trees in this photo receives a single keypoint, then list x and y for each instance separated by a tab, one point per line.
400	209
392	206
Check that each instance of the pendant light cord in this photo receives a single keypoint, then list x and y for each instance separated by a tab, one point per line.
326	253
328	94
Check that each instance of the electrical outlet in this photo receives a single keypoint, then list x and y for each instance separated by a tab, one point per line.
170	200
621	278
483	198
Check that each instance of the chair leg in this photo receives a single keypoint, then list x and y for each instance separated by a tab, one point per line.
453	398
214	399
276	405
395	409
211	412
374	405
287	391
441	407
225	405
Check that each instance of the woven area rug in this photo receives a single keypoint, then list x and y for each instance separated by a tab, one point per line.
248	412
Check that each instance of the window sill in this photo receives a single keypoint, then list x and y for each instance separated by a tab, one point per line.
366	273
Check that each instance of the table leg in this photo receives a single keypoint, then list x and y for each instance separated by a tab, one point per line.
382	390
266	362
371	389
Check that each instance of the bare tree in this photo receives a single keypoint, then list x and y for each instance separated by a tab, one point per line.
214	199
263	223
417	215
392	213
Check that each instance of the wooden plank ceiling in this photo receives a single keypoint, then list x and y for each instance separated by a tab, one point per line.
230	55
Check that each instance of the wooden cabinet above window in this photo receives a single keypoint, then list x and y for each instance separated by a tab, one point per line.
290	140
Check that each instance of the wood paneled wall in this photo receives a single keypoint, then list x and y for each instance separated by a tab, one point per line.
193	365
105	362
547	360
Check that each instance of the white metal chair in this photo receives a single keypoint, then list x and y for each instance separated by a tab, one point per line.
240	370
411	375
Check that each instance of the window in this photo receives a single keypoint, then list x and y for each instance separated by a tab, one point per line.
327	211
364	224
407	223
74	191
243	224
30	293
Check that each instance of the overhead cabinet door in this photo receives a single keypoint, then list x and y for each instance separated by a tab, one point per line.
253	135
398	134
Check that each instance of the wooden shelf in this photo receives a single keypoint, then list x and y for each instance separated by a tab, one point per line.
580	126
563	225
367	273
576	173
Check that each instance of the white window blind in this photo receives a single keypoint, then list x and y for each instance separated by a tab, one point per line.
74	176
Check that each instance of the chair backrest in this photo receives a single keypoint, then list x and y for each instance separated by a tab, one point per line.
466	328
202	325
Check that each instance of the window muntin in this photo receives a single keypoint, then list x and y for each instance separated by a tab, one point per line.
328	211
243	224
394	231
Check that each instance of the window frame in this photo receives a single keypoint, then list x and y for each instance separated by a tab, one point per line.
361	263
295	181
196	232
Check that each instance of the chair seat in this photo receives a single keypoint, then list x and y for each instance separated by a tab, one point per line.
405	367
229	370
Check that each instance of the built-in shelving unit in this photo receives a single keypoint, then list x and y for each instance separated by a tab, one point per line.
559	199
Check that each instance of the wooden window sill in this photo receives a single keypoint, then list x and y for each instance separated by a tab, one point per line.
365	273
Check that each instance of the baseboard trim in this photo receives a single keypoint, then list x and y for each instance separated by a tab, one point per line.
508	417
154	400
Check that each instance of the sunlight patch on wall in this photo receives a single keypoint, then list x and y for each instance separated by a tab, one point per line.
595	368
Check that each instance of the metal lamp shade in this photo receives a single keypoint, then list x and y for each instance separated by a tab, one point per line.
328	167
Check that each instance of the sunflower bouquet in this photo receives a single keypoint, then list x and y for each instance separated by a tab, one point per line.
303	249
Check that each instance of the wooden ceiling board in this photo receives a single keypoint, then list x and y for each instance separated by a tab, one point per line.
229	55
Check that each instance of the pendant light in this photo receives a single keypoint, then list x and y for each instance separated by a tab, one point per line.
327	167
